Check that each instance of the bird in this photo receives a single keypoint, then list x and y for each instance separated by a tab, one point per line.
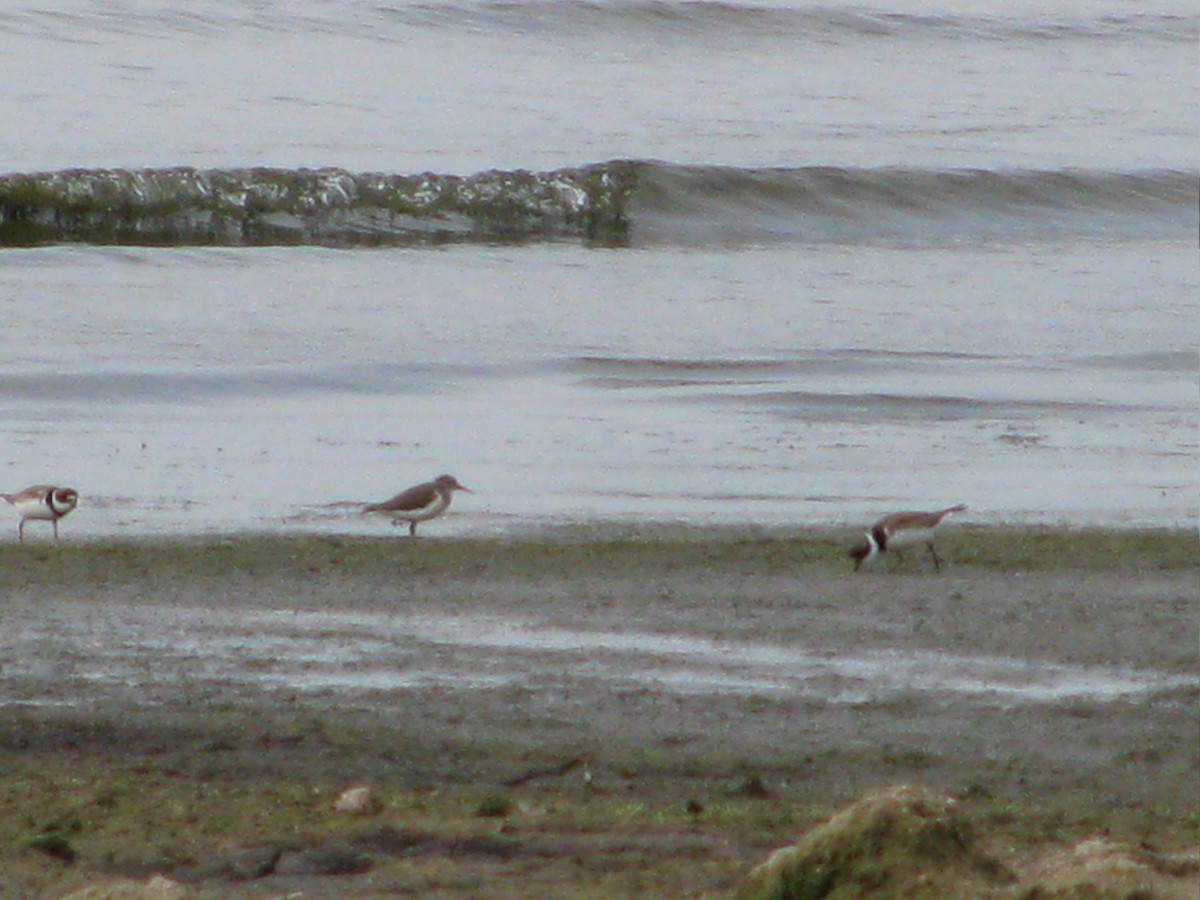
43	502
420	502
899	530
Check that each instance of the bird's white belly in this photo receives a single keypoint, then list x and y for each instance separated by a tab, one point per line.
420	514
33	509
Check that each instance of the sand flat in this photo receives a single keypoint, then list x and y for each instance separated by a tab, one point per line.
677	666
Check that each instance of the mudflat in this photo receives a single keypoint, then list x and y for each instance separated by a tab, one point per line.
597	712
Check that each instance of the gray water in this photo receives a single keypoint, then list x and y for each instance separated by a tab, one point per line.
150	651
881	255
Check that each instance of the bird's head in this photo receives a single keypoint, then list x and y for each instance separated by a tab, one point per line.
450	483
64	499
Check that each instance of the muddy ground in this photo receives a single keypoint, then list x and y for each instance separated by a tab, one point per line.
645	714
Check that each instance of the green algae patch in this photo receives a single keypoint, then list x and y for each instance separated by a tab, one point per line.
141	811
1047	549
595	551
144	818
417	559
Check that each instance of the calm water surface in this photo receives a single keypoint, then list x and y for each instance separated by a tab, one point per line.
889	255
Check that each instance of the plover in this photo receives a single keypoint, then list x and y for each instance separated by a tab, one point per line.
420	502
893	533
43	502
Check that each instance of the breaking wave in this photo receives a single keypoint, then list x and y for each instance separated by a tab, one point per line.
615	203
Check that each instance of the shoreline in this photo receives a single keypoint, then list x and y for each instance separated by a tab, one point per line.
997	547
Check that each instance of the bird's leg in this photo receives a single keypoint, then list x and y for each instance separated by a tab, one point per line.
937	563
54	522
21	531
412	529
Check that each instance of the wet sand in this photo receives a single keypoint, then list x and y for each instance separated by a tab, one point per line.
677	691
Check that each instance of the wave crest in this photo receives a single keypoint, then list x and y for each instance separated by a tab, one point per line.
612	203
305	206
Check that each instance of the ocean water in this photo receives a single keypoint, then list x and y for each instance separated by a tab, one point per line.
705	262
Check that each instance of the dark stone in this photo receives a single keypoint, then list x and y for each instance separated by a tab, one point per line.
53	844
333	859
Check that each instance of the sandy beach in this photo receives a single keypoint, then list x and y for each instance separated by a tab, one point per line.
631	713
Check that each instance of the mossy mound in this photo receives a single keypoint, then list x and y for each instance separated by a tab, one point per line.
902	842
906	842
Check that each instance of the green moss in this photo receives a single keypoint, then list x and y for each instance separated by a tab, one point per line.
1093	549
495	806
140	814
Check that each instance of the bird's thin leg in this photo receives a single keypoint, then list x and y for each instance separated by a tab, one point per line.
54	522
937	563
412	529
21	531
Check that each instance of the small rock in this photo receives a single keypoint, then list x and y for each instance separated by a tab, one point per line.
334	859
357	801
754	787
250	863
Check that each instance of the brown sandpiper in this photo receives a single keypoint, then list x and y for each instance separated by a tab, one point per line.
44	503
420	502
893	533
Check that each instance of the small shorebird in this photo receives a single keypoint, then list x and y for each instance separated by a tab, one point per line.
420	502
43	502
899	530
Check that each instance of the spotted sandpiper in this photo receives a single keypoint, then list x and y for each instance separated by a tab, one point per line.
419	502
42	502
899	530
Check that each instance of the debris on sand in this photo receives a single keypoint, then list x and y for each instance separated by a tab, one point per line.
157	887
1100	869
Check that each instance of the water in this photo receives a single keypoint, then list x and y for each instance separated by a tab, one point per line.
153	651
461	86
778	263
